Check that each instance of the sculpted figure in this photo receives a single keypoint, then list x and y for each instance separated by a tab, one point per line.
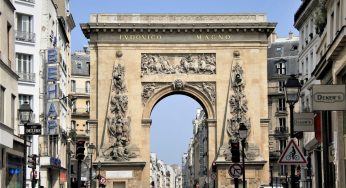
118	79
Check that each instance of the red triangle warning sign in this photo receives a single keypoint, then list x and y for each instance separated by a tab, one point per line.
292	155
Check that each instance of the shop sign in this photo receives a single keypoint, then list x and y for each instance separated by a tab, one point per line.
52	73
304	122
62	176
328	98
55	162
52	56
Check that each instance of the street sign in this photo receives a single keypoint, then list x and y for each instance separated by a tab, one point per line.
304	122
33	129
292	155
235	170
328	97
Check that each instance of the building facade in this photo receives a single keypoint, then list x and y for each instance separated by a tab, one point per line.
80	108
11	144
163	175
305	19
282	62
331	70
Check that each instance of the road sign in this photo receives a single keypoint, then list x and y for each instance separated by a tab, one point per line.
33	129
292	155
102	180
213	176
235	170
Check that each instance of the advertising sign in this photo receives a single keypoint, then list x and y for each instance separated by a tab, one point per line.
304	122
52	110
52	73
328	97
52	56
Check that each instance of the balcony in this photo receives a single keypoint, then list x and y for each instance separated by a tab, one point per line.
281	111
84	112
275	90
25	36
80	91
26	77
274	155
281	133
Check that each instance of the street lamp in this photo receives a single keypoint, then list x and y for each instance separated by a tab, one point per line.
99	169
91	149
292	93
25	114
242	135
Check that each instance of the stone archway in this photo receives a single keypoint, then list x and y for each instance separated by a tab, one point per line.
136	60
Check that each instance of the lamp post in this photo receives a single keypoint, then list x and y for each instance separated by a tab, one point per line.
292	93
242	135
25	114
91	149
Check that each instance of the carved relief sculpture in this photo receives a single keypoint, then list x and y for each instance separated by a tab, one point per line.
118	122
208	88
178	64
238	106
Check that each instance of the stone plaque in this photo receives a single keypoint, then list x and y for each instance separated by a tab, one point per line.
119	174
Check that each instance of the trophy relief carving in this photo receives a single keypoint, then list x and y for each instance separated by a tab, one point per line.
118	122
178	64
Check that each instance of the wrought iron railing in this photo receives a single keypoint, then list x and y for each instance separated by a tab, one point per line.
27	77
25	36
80	91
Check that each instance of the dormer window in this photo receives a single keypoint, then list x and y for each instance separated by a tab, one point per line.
281	68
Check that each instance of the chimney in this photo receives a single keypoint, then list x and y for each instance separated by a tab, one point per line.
85	48
290	35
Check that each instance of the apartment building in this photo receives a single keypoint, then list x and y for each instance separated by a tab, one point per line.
11	144
282	62
305	21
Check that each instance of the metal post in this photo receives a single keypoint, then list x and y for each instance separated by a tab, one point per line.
79	173
90	172
236	183
292	136
243	158
24	163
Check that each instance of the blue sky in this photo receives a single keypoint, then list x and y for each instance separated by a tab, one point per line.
172	117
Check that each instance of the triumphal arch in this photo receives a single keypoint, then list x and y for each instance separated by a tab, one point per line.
136	60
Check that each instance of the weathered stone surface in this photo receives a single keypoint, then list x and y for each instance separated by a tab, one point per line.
170	39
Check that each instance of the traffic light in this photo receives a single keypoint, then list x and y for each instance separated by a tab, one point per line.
235	152
80	150
32	161
213	167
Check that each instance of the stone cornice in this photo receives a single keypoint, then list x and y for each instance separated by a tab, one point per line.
177	23
304	11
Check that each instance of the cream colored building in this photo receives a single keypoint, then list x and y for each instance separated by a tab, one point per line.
331	70
11	144
136	60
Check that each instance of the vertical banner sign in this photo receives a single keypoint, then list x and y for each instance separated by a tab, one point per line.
52	74
328	98
52	122
52	56
52	91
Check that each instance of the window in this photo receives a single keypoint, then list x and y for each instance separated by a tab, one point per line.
25	28
73	124
23	98
282	122
73	85
13	110
79	65
24	67
278	49
282	104
281	68
87	103
9	42
87	86
53	145
2	104
281	86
